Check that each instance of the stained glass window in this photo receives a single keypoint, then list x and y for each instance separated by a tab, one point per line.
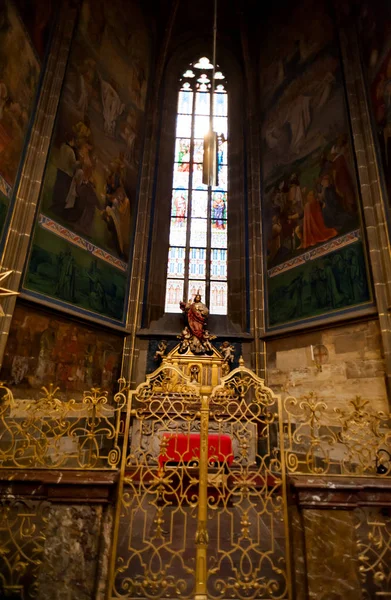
197	259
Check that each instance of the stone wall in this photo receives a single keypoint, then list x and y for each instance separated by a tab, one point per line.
353	364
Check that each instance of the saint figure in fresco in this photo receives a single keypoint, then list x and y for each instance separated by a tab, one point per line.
67	274
67	163
342	178
333	212
314	228
117	216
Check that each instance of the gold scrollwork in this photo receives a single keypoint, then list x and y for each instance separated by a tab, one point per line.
51	433
320	440
22	539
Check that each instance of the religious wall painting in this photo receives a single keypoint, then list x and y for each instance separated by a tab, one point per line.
320	286
291	46
310	193
37	17
75	277
19	76
91	179
311	207
43	348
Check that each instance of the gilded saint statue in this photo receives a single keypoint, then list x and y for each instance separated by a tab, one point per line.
195	335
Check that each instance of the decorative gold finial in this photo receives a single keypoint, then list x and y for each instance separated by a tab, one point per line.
241	361
4	292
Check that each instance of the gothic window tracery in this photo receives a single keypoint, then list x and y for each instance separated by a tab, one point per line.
197	257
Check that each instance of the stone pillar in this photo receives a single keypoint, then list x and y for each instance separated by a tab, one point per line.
257	303
373	200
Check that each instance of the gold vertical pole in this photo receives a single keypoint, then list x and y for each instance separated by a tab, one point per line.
202	537
118	499
288	547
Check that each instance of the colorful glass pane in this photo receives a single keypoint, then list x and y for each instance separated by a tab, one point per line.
197	287
199	204
220	105
197	178
185	102
182	150
176	263
183	126
197	263
198	232
222	151
202	106
220	124
219	209
179	204
218	264
198	156
174	295
219	234
222	173
218	297
178	232
201	126
192	124
181	175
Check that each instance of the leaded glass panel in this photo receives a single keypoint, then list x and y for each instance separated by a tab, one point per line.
220	124
218	297
195	242
179	204
221	179
198	151
222	157
176	263
183	126
181	176
219	209
196	287
178	232
220	105
198	231
182	150
219	234
201	126
185	102
197	263
202	106
199	205
174	294
197	178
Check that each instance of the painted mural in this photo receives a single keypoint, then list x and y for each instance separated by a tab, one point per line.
19	75
69	274
310	211
43	348
37	17
375	37
88	199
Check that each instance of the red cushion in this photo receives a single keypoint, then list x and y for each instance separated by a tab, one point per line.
185	447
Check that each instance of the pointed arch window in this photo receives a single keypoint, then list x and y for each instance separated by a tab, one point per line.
197	257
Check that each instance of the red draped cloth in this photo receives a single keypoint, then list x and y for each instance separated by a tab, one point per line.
314	229
185	448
